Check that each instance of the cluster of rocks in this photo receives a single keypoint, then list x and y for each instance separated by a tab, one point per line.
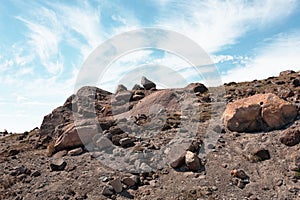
98	131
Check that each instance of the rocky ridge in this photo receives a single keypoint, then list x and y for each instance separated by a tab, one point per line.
255	154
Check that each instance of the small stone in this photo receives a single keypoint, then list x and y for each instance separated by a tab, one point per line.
241	184
192	161
58	165
105	179
36	174
279	183
214	188
129	181
127	142
117	185
224	165
75	152
107	191
239	174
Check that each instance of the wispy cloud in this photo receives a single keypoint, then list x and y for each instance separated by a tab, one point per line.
216	24
275	55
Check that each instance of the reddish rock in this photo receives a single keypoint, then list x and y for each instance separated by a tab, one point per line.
258	112
291	137
73	137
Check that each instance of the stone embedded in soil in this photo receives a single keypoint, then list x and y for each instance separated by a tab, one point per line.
129	181
60	154
58	165
75	152
36	173
126	142
192	161
117	185
241	174
107	191
291	136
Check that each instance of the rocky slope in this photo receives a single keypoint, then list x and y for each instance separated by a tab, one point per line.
239	141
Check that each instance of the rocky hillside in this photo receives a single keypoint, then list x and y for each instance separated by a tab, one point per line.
237	141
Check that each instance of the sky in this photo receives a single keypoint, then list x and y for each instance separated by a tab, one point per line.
44	45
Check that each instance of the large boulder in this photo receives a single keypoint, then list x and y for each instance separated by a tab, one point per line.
259	112
75	136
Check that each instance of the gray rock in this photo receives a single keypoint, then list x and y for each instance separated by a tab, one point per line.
58	165
121	88
147	84
137	87
103	143
107	191
117	185
124	95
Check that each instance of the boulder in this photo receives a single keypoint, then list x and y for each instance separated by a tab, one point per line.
147	84
73	137
259	112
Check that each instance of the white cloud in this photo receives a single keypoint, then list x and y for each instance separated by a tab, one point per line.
44	38
215	24
278	54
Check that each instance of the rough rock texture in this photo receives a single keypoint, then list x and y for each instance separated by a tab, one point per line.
259	112
291	136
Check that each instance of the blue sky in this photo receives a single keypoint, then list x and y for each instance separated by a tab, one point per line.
43	45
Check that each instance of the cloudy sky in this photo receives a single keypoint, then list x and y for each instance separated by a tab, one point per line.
44	44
